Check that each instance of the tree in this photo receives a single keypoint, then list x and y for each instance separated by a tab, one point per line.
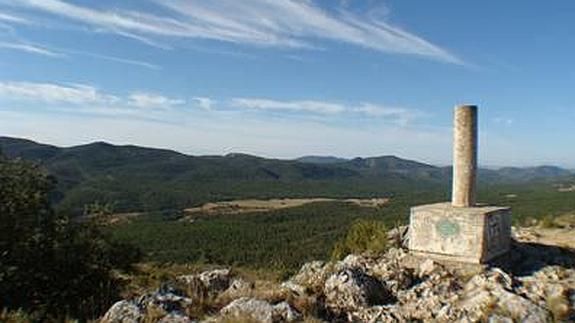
48	265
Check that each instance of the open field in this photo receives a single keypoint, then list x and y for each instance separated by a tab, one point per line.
254	205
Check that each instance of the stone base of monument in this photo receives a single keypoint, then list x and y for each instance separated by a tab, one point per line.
467	234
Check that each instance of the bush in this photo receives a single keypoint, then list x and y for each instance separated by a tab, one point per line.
548	222
364	236
48	266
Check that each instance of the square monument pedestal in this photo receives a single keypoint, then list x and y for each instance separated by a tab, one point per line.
467	234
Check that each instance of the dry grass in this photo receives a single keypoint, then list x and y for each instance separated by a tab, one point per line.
248	206
559	308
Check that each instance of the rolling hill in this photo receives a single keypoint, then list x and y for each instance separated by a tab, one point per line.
139	178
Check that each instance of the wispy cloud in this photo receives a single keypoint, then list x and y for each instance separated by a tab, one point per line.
121	60
13	41
153	101
400	116
52	93
305	105
89	98
395	115
280	23
14	19
84	96
29	48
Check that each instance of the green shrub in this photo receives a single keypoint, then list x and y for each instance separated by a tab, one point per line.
548	222
364	236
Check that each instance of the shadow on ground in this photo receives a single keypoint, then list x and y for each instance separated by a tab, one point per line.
525	258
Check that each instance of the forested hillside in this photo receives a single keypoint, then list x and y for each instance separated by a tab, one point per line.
136	178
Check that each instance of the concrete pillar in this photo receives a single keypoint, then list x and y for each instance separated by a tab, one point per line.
464	156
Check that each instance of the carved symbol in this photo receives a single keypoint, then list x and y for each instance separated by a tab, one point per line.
447	229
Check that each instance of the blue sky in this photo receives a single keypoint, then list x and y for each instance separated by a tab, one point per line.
289	78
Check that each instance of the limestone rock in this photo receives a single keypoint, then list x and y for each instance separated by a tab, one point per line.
260	311
167	299
214	281
360	262
124	312
293	288
352	289
312	275
374	314
175	318
426	268
283	312
239	287
167	302
496	318
493	291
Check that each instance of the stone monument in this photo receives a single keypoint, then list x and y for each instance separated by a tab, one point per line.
461	230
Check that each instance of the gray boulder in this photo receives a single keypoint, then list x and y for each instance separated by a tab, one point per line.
259	311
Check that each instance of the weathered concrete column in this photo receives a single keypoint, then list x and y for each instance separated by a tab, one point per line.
464	156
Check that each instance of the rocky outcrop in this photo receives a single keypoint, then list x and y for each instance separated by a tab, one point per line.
534	283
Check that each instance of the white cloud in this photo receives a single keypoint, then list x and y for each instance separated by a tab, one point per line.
400	116
115	59
14	19
153	101
395	115
204	102
83	96
280	23
90	99
304	105
52	93
28	48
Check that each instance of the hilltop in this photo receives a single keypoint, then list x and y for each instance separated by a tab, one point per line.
535	282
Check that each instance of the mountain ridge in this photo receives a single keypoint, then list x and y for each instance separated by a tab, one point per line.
136	178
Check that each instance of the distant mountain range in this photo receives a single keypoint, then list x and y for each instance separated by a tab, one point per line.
321	159
137	178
